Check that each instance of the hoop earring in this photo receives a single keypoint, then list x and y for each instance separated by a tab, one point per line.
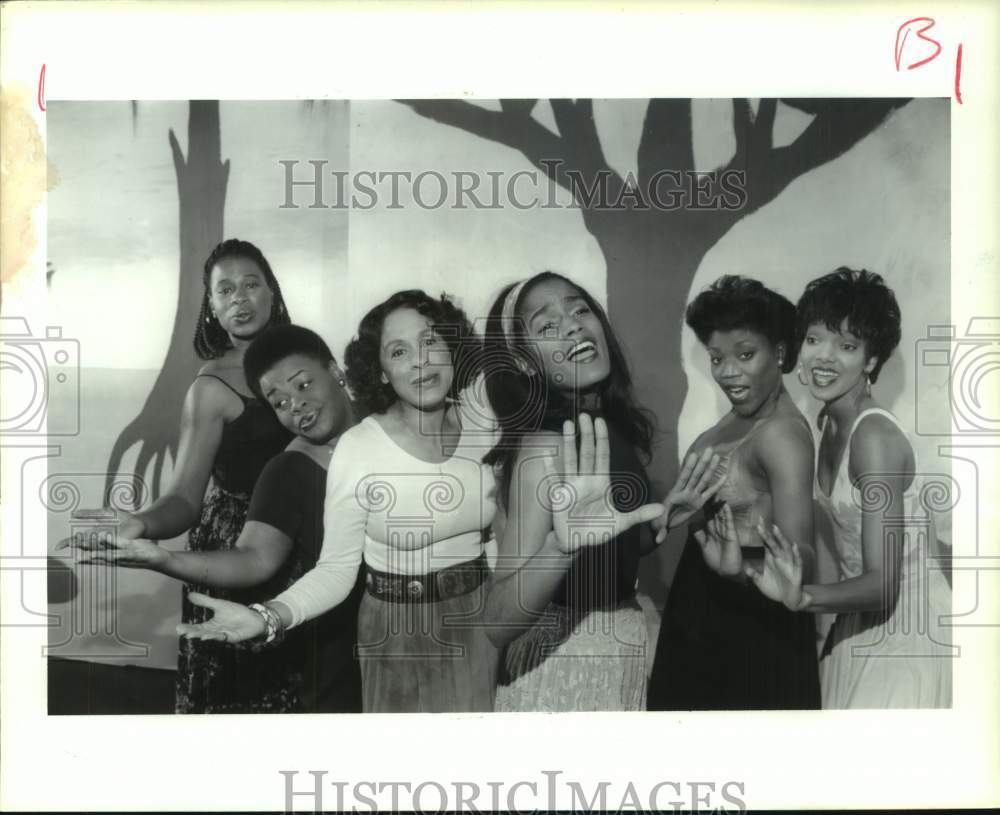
801	375
868	384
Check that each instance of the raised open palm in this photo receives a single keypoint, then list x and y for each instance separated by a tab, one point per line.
720	545
231	622
693	488
583	513
780	578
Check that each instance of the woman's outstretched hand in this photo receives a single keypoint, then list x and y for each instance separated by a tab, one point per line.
780	579
231	622
112	526
129	554
720	545
583	513
693	488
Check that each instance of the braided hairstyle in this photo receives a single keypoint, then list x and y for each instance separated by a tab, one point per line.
210	339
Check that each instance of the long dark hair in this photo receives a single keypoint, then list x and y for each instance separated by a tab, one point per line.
362	357
522	398
210	339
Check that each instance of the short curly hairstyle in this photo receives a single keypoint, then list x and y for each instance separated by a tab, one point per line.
862	299
279	342
362	356
734	302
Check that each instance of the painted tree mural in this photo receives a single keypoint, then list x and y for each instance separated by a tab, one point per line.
202	178
652	253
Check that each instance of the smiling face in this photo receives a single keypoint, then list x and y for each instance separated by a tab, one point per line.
568	334
240	298
307	397
415	359
746	366
834	362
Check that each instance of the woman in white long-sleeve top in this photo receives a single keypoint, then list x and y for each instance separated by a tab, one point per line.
407	493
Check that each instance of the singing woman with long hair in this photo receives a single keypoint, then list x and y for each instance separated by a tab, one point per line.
564	599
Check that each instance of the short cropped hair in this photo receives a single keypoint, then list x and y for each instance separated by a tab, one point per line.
734	302
279	342
862	299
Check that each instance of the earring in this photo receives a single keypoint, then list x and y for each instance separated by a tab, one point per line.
801	375
342	383
868	384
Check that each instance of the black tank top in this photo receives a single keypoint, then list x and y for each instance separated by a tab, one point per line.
248	442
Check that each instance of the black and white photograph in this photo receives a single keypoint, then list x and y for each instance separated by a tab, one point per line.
537	414
669	276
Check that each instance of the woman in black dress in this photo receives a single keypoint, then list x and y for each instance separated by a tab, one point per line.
722	645
227	436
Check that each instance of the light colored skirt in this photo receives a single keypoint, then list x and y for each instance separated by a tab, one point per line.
567	662
426	657
902	660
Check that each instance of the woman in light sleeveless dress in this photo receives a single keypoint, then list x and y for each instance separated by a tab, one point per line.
887	647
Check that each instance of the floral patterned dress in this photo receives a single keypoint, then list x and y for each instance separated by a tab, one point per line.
216	677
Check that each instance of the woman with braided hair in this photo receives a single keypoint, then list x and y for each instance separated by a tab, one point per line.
227	435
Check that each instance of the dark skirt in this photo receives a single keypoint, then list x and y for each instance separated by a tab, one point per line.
216	677
724	646
426	657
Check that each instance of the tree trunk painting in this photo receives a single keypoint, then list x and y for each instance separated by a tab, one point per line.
652	253
202	178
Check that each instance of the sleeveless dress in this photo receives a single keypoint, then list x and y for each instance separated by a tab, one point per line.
722	644
216	677
587	652
899	658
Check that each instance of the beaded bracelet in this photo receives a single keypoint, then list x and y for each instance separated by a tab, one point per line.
274	630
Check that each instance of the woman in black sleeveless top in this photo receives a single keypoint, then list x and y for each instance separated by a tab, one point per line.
722	645
227	436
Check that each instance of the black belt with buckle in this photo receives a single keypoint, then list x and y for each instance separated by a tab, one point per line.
453	581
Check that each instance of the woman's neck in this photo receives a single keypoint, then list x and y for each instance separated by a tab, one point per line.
769	405
843	410
421	422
